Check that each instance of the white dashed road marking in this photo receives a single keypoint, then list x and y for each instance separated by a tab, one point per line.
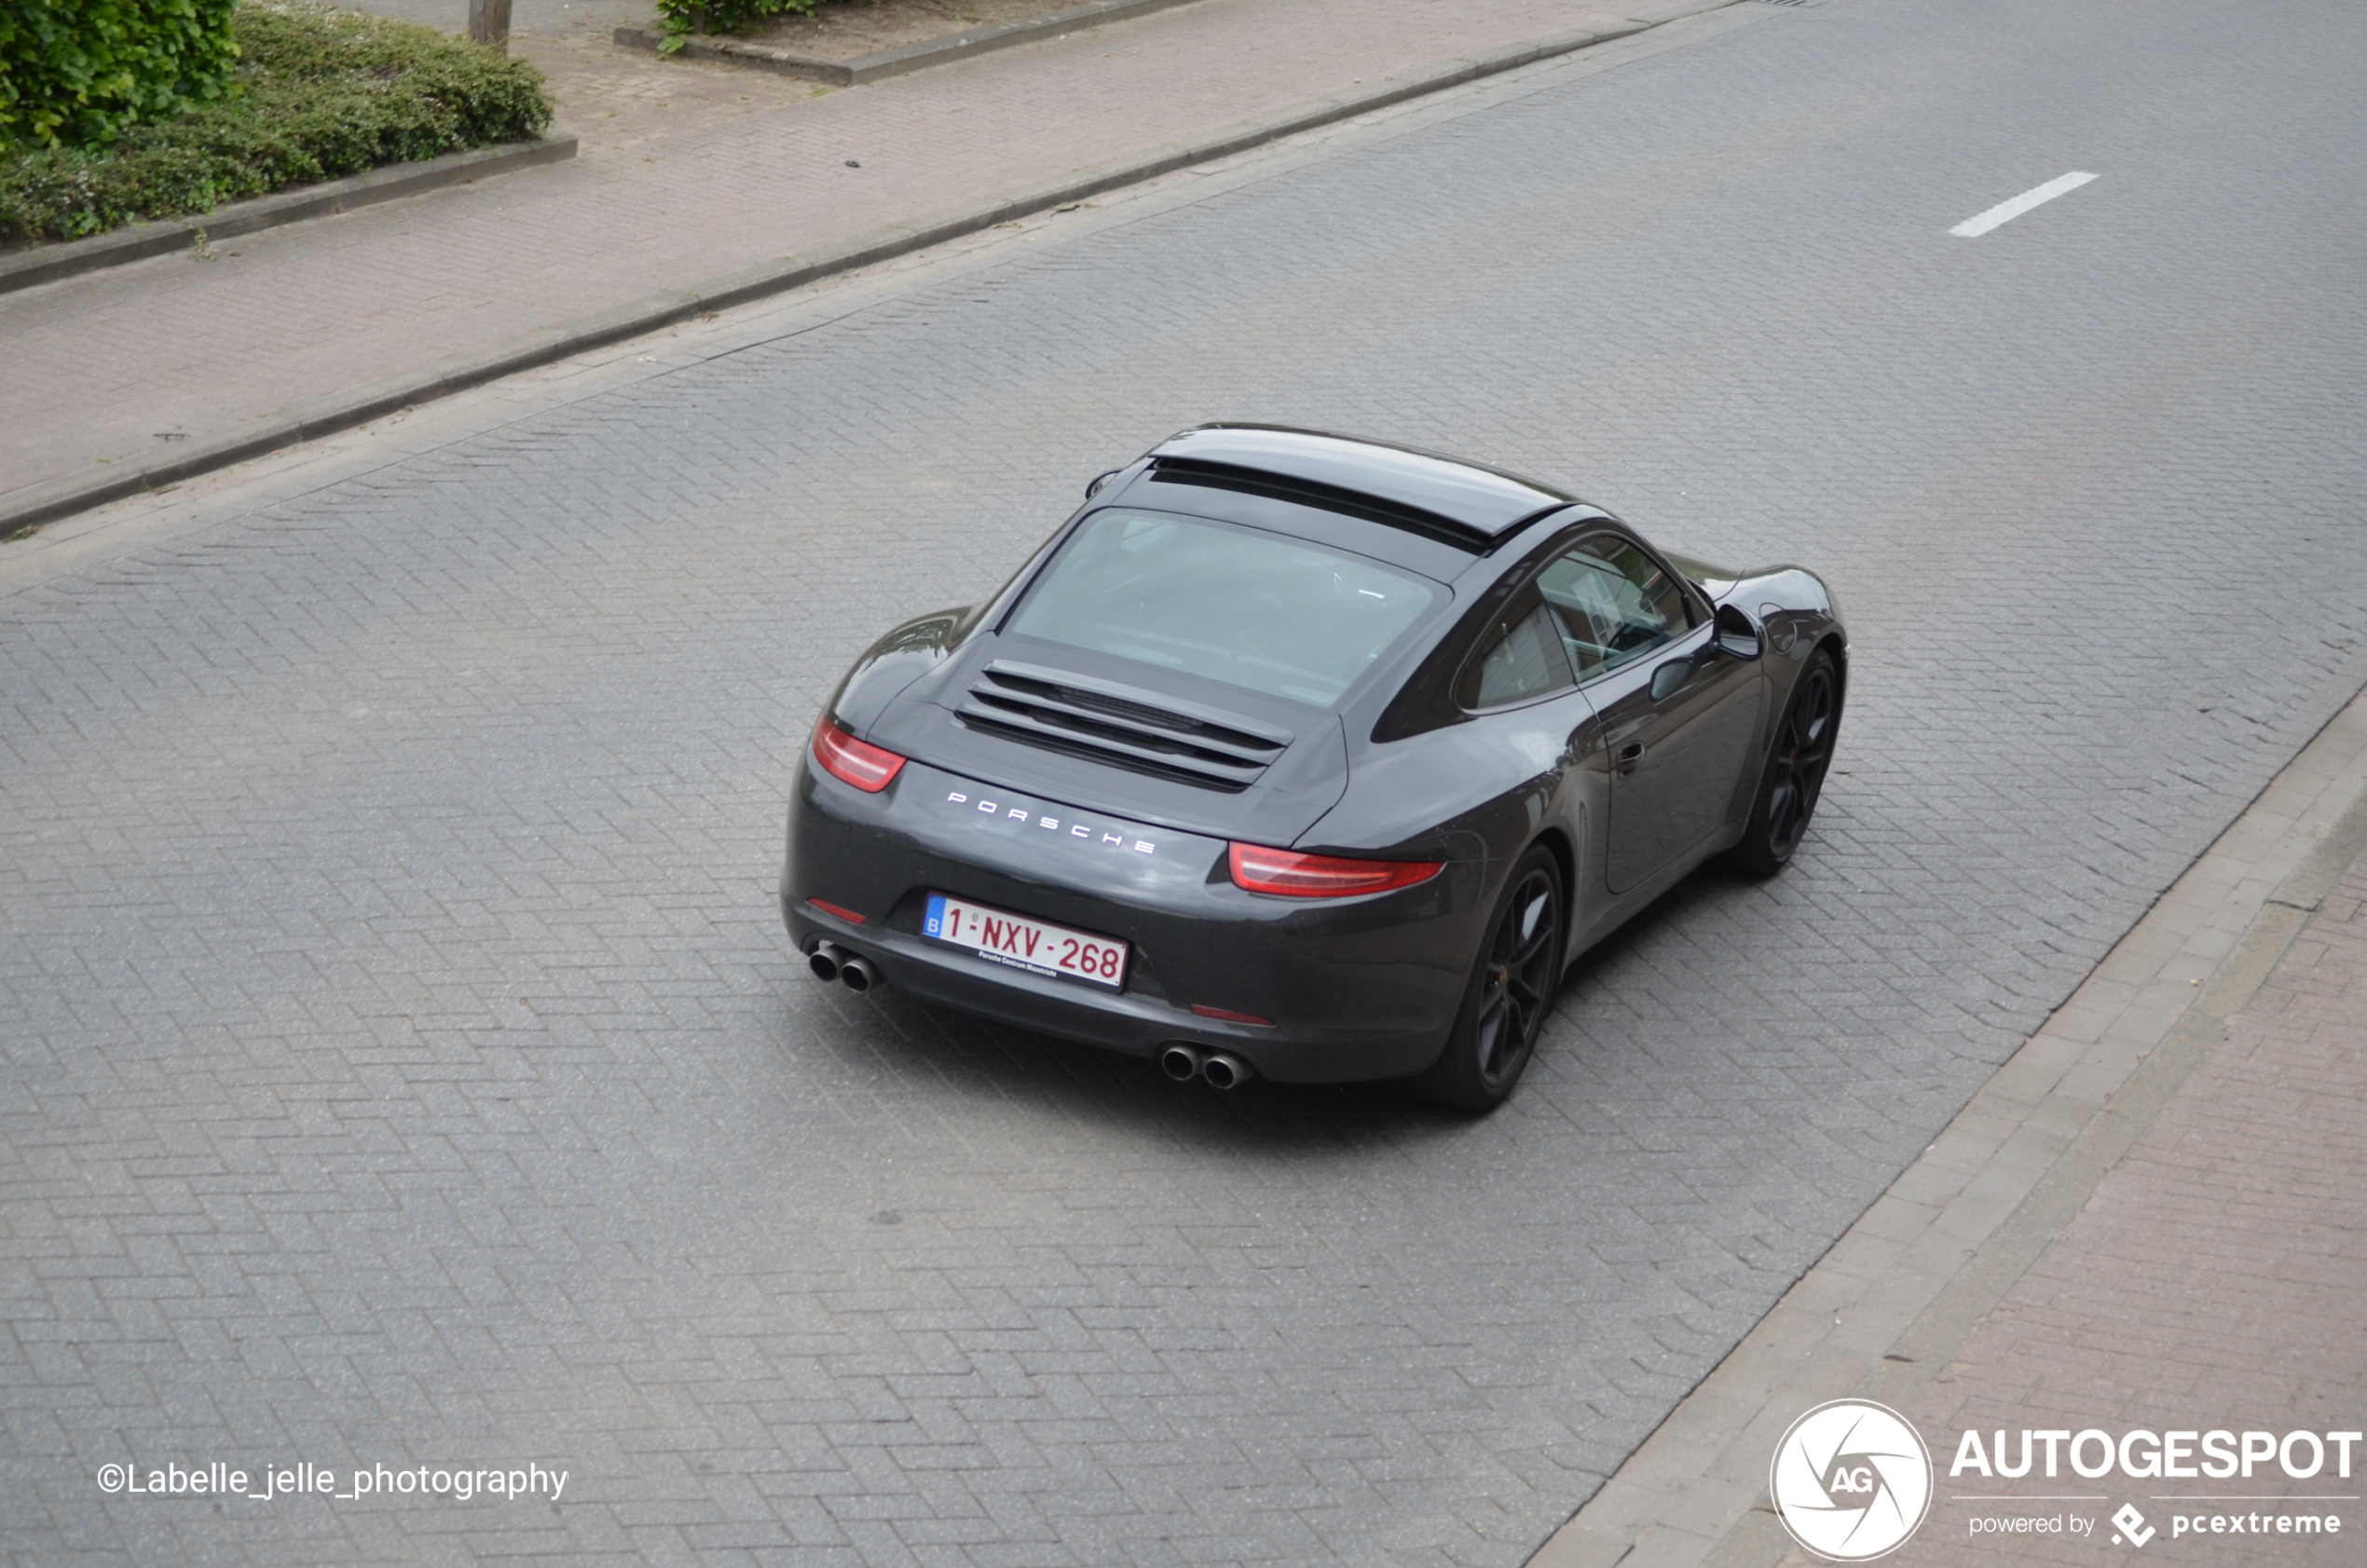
2007	211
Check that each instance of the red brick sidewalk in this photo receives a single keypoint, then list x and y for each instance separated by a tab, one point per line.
727	170
2216	1279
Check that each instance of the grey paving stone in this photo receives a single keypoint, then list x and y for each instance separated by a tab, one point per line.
404	1065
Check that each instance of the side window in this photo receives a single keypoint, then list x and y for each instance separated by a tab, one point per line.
1613	603
1520	658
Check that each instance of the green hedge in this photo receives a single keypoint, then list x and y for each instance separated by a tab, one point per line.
77	72
686	17
316	93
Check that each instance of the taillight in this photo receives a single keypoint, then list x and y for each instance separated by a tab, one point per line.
1226	1015
1323	876
865	765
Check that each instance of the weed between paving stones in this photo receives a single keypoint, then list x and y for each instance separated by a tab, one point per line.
321	93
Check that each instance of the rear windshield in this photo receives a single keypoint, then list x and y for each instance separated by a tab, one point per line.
1253	609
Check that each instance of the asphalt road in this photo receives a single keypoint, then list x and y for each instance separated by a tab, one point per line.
404	1067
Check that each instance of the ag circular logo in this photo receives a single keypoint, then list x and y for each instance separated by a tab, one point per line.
1850	1480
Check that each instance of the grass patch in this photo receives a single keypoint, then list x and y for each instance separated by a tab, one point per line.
319	94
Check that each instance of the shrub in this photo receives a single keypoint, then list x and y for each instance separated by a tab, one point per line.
685	17
75	71
321	93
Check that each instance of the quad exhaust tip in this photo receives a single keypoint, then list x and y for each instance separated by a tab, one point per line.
1222	1069
831	961
1218	1070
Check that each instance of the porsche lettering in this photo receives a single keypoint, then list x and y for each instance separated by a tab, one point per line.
1050	824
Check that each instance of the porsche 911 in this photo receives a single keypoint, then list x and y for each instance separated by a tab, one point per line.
1306	757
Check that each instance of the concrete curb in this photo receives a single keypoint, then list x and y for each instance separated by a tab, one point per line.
1889	1305
903	56
45	264
39	504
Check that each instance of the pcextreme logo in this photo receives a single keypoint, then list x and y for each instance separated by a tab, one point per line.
1850	1480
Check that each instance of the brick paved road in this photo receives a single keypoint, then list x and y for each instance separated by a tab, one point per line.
404	1064
2212	1281
690	175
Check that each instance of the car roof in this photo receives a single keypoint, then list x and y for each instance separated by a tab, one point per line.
1480	503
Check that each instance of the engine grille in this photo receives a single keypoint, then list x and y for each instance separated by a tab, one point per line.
1120	726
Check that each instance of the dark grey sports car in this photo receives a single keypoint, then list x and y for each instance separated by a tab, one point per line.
1305	755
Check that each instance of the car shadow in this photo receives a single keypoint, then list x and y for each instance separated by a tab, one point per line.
893	1043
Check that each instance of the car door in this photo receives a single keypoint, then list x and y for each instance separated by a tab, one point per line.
1678	713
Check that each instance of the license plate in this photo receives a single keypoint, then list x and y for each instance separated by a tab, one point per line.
1025	943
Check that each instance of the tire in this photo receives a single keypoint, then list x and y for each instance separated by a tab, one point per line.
1794	778
1509	993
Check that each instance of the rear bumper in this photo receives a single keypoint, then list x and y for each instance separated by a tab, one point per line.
1357	988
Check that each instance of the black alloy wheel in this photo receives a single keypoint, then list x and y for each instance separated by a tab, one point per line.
1796	766
1510	994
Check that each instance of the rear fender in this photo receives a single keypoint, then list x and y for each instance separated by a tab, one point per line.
893	662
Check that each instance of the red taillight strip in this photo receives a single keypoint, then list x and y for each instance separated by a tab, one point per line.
1226	1015
1290	874
830	909
866	767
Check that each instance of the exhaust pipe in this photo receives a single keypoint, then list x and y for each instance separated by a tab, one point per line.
1224	1070
826	959
858	973
1180	1063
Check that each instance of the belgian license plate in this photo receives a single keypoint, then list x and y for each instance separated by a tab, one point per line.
1025	943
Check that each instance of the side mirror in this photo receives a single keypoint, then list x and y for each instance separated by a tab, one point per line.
1095	488
1738	633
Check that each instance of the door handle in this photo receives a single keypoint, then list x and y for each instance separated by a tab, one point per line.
1628	757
